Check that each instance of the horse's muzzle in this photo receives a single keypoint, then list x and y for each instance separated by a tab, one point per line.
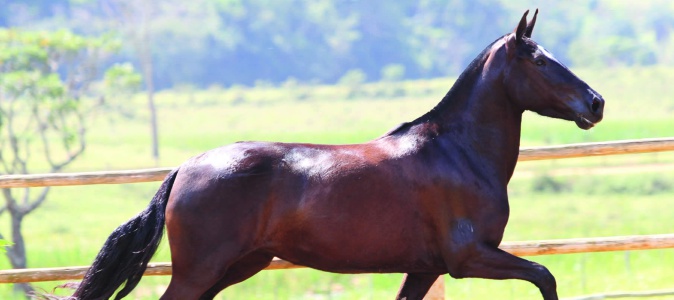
594	114
597	107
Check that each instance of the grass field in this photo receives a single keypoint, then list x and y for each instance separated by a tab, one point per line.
75	221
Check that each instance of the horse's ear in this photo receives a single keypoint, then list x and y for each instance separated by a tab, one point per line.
530	26
521	28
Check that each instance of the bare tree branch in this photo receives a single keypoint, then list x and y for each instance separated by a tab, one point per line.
46	148
10	202
37	202
13	142
24	162
72	155
3	114
25	198
64	136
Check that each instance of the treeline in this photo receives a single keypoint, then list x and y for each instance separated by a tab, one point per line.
226	42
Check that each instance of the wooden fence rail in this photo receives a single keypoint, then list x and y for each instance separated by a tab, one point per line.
530	248
146	175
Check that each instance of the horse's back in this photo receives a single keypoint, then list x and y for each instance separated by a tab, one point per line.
252	180
247	174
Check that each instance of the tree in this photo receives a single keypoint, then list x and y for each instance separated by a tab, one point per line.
393	72
135	19
44	81
354	80
119	81
150	25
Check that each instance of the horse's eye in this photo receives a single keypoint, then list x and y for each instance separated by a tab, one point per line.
540	62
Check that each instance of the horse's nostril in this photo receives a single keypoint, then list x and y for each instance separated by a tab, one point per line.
596	104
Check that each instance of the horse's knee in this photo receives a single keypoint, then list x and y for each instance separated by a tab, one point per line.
543	278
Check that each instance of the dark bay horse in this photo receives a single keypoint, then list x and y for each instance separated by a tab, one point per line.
426	199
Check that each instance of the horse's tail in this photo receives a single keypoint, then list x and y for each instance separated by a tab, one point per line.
126	253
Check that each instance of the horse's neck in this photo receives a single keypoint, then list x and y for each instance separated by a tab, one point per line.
479	113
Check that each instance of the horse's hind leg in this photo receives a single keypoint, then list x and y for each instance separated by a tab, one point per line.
193	275
416	285
241	270
200	256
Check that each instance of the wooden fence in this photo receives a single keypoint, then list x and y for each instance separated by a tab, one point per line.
528	248
157	174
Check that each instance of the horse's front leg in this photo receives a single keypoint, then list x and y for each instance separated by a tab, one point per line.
493	263
416	285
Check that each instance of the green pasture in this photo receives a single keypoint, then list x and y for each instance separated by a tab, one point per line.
545	202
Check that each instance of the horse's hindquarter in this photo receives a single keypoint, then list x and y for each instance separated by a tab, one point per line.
220	196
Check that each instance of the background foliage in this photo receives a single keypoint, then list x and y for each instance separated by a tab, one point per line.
225	42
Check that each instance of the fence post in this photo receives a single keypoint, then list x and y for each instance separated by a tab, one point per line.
437	291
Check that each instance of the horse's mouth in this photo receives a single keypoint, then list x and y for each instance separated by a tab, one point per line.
583	122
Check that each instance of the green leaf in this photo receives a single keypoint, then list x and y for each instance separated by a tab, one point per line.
4	244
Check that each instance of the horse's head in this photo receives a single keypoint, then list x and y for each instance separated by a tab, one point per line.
538	82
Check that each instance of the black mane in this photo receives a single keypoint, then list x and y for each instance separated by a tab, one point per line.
446	100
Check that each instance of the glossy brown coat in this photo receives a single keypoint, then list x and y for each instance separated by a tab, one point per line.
428	198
